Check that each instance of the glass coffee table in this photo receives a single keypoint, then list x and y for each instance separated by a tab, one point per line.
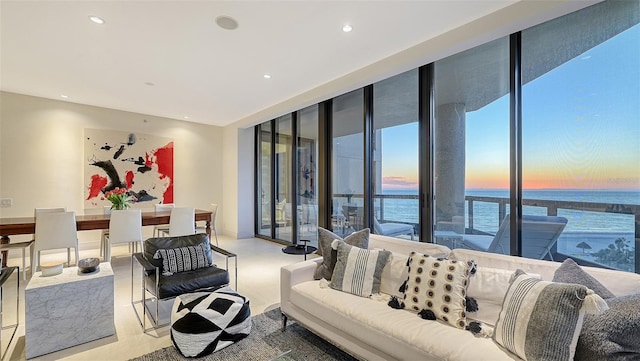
286	356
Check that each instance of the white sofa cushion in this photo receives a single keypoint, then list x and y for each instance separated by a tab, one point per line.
618	282
375	323
488	287
394	274
405	247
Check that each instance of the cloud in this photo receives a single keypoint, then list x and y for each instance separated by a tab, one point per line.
399	182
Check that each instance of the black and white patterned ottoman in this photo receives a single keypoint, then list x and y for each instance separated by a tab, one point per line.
205	322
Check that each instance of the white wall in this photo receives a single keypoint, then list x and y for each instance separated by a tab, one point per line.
42	155
238	182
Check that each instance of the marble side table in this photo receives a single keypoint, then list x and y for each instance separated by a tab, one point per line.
68	309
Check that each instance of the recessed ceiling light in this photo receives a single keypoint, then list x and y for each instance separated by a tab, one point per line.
347	28
96	19
185	117
64	96
227	22
267	76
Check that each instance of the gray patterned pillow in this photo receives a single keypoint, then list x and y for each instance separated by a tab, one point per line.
183	259
541	320
325	237
613	335
571	272
358	270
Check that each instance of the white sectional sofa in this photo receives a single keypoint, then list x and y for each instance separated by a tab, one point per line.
369	329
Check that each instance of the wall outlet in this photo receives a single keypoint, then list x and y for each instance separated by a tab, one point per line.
6	202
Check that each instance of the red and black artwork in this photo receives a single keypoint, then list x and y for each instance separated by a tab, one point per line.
140	163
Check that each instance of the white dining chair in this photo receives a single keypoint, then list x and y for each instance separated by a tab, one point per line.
125	226
214	212
162	228
182	221
106	210
55	230
23	245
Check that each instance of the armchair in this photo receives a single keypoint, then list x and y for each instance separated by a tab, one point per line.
161	280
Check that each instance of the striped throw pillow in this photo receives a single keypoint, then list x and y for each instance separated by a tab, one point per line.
183	259
358	270
541	320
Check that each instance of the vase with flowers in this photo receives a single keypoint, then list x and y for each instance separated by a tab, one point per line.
120	198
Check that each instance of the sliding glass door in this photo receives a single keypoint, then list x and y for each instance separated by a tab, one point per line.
307	174
471	146
347	163
263	175
283	165
395	156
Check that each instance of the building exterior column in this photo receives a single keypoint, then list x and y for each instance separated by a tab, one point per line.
449	133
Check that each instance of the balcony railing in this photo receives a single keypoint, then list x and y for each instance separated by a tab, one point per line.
386	210
552	207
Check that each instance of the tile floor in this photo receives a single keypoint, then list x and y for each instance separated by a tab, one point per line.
259	263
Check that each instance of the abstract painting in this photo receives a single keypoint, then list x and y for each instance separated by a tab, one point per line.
140	163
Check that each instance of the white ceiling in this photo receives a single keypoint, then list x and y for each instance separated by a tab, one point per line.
199	70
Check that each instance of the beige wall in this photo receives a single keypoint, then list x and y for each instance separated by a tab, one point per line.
42	154
238	182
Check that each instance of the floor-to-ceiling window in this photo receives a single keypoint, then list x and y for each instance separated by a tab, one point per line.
395	156
348	163
577	130
263	174
283	165
581	130
471	145
307	177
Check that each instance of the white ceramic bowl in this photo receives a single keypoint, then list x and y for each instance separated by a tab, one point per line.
51	269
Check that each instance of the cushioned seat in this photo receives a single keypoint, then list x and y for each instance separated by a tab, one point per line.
201	279
205	322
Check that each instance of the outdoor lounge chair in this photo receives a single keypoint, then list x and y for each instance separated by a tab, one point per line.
539	234
392	229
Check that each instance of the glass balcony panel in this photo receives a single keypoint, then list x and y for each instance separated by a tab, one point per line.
581	131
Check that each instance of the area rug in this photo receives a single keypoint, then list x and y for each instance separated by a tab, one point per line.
265	342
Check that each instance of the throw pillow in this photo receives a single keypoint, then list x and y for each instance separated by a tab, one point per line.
436	288
358	270
541	320
182	259
613	335
325	237
571	272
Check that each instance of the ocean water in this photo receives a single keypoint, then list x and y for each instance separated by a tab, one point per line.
599	229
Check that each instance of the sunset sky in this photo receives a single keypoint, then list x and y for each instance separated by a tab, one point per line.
581	128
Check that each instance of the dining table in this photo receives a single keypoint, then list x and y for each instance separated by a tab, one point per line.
88	221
